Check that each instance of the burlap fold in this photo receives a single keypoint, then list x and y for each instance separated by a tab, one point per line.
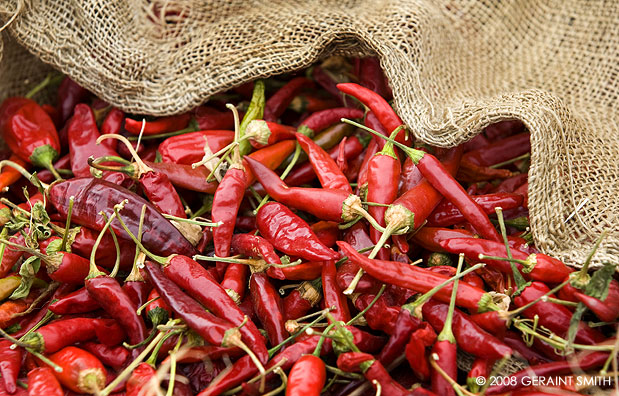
454	66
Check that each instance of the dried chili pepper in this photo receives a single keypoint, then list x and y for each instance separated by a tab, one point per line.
10	364
69	95
81	372
307	377
332	296
189	148
162	125
329	175
9	255
500	151
235	281
268	307
113	356
446	214
139	379
41	381
262	133
322	119
373	371
280	100
301	300
256	246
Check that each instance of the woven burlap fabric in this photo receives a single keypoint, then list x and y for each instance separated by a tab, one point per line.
454	66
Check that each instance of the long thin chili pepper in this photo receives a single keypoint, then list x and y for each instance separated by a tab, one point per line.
268	307
325	118
185	176
446	214
373	371
41	381
162	125
112	124
209	118
332	296
500	151
329	175
256	246
188	148
415	350
280	100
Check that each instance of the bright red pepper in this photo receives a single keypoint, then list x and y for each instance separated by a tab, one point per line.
10	364
265	133
113	356
268	306
41	381
333	296
81	372
446	214
139	378
307	377
162	125
189	148
329	175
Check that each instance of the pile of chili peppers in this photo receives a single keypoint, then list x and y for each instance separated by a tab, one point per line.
288	237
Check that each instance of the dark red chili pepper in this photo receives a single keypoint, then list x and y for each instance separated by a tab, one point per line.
471	173
478	141
415	278
503	129
268	306
372	122
416	350
410	177
502	150
371	76
327	204
209	118
11	255
136	289
470	337
322	119
265	133
307	271
404	327
69	95
29	132
329	175
333	296
472	279
481	368
112	124
77	302
582	361
41	381
84	240
162	125
93	196
185	176
311	103
81	372
226	203
301	300
346	273
235	281
113	356
327	82
10	364
511	184
207	325
189	148
537	266
553	316
373	370
446	214
362	177
380	316
279	101
514	341
290	234
307	377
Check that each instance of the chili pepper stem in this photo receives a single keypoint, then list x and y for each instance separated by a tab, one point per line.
457	388
25	249
142	167
363	312
173	355
520	281
236	390
233	338
513	260
283	385
276	348
29	176
65	236
554	340
447	333
581	278
510	161
96	164
94	272
50	79
510	314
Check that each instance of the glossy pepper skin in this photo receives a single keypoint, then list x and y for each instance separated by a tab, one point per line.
277	104
184	176
332	295
41	381
255	246
329	175
10	364
404	327
226	203
161	125
81	372
29	131
307	377
113	356
78	301
446	214
268	307
11	255
290	234
140	376
82	136
189	147
93	196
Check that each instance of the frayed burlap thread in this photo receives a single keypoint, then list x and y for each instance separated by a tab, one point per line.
455	66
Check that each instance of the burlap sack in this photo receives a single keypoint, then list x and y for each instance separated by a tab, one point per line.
454	66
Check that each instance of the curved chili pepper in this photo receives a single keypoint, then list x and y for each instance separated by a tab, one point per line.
268	306
137	289
209	118
139	378
322	119
84	239
346	273
446	214
226	203
470	337
371	121
372	370
41	381
93	196
329	175
9	174
192	277
69	95
404	327
207	325
379	316
255	246
310	103
10	364
503	129
410	176
301	300
430	237
10	255
82	133
471	173
161	125
415	278
279	101
307	377
415	350
113	356
270	156
553	316
362	177
472	278
189	148
539	267
78	301
500	151
307	271
235	281
371	76
29	132
326	204
290	234
481	368
333	297
81	372
583	361
265	133
607	310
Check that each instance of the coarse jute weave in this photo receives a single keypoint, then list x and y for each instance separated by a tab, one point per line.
455	66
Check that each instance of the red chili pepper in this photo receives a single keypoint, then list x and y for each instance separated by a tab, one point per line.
270	156
503	129
373	371
69	95
307	271
511	184
11	255
265	133
500	151
333	296
93	196
405	325
383	175
310	103
41	381
185	176
235	281
189	148
446	214
553	316
207	325
380	316
514	341
372	122
470	337
162	125
81	372
371	76
307	377
226	203
582	361
430	237
209	118
415	278
10	364
472	279
140	377
325	203
268	306
279	101
84	240
113	356
323	79
410	177
322	119
481	368
329	175
290	234
157	305
136	288
9	174
536	266
381	109
416	350
29	132
112	124
255	246
77	302
346	273
607	310
301	300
